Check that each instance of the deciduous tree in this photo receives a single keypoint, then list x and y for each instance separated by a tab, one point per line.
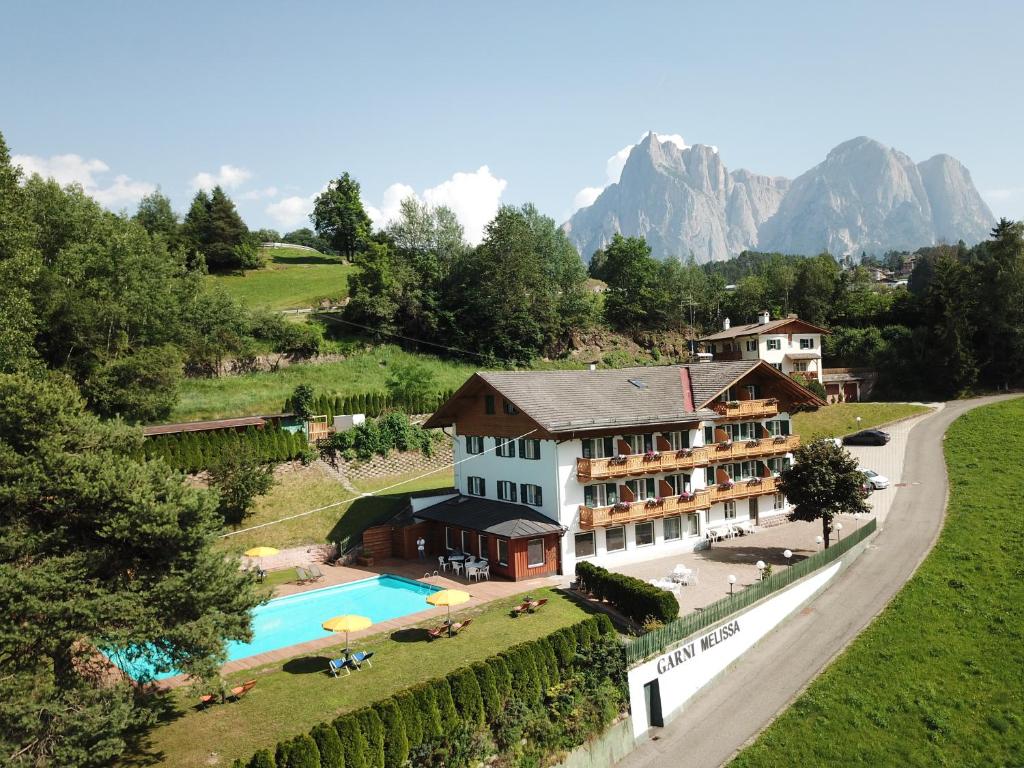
339	217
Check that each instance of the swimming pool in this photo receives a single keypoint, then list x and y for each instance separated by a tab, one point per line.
295	619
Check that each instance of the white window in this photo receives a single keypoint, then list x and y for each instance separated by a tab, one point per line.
800	365
673	528
474	444
530	494
752	345
807	343
677	440
753	392
730	510
644	534
679	483
774	344
709	476
644	488
602	495
640	443
777	427
503	551
693	527
505	447
615	539
585	545
598	448
506	490
475	486
779	501
535	553
449	538
529	449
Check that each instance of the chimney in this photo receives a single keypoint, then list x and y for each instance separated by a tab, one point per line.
763	317
726	324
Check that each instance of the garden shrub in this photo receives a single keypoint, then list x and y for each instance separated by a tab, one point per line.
466	695
353	743
535	700
632	597
373	730
332	754
396	742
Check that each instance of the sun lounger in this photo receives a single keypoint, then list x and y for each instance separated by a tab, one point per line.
357	659
537	604
302	575
521	609
435	632
459	626
238	692
334	666
315	574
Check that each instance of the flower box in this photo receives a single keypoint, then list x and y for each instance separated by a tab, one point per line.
651	456
753	443
685	453
620	506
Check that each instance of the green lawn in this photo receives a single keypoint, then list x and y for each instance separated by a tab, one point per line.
841	418
309	489
938	678
292	697
291	279
260	393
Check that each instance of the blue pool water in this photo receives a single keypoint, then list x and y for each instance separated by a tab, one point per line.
297	618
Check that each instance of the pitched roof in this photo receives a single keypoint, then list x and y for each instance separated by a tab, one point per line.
500	518
748	329
562	401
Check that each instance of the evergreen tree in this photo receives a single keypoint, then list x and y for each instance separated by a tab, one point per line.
157	217
109	552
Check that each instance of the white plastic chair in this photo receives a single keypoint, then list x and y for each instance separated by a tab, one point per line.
444	564
456	566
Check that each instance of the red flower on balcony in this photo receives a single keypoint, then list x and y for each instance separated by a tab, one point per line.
620	506
686	496
727	485
651	455
685	452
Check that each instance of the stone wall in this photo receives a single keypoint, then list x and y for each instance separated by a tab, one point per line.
380	467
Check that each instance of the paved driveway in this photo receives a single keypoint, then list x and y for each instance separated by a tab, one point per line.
731	711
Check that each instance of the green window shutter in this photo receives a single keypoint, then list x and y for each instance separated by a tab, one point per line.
784	425
611	491
709	435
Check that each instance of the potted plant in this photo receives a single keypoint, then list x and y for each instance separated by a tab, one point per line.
651	455
684	452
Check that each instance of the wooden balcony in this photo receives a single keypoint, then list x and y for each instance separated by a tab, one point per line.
640	511
639	464
748	409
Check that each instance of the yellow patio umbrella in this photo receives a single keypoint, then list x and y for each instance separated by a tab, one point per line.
350	622
448	597
261	552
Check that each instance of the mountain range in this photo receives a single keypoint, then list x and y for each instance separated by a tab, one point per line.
864	197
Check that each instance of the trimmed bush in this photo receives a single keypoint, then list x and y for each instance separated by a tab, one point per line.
564	643
396	743
633	598
263	759
488	691
466	694
410	717
353	743
373	730
546	658
332	755
300	752
502	678
445	705
430	715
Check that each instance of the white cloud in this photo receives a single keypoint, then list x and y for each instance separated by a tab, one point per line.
292	212
474	198
228	177
258	194
74	169
390	203
586	197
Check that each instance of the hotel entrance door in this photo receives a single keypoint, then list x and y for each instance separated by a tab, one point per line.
753	509
652	702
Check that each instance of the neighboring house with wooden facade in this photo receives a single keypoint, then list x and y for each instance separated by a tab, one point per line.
790	345
612	465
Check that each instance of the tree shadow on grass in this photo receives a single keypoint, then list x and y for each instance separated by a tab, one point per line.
307	665
139	750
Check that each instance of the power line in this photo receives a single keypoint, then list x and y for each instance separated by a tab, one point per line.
407	338
368	494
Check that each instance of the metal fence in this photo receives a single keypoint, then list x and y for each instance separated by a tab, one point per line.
658	640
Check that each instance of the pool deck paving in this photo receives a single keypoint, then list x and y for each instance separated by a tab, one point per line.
481	593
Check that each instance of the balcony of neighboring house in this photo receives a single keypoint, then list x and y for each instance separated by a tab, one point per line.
630	510
747	409
665	459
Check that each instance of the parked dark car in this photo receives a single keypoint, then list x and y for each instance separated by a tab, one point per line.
867	437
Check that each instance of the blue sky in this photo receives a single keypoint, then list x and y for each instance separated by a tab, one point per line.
474	103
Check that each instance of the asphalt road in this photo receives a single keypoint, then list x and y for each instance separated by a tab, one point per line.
735	708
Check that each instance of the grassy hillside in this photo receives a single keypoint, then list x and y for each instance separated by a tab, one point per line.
257	393
938	678
841	418
292	278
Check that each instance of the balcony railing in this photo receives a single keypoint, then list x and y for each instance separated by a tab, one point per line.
650	509
687	458
748	408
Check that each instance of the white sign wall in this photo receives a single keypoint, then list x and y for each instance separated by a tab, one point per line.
687	668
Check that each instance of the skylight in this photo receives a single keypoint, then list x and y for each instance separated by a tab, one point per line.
638	383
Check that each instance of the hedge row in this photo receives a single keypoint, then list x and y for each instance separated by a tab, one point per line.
488	703
632	597
196	451
371	403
